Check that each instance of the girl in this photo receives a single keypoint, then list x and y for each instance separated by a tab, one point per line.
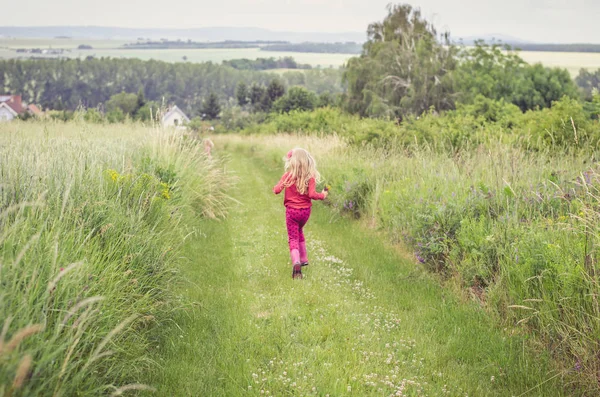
299	182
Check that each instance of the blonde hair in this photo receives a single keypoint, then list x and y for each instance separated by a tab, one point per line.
301	167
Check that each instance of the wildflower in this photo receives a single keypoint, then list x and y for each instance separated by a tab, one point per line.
114	175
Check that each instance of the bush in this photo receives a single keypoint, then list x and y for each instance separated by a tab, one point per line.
297	98
564	125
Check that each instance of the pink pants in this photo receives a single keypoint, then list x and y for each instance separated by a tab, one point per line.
295	219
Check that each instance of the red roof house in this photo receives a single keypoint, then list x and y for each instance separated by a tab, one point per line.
11	106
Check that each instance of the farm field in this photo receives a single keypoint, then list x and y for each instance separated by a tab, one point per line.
573	61
107	48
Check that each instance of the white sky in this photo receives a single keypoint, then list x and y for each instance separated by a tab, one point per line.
535	20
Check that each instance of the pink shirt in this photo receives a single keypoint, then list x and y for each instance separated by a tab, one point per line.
293	198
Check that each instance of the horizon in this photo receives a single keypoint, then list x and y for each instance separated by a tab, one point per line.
533	21
503	37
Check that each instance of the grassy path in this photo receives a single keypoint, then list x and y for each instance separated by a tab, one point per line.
363	322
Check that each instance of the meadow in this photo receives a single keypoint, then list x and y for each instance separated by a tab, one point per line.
516	231
573	61
92	222
433	271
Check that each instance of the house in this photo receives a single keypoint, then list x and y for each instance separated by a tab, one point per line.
174	118
6	112
11	107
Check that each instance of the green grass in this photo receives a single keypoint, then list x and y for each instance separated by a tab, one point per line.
90	232
513	229
366	320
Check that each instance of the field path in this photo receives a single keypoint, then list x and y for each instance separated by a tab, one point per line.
363	322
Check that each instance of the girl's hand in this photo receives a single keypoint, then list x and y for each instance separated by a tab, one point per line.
325	193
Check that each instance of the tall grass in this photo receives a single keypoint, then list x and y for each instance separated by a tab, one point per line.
91	220
518	231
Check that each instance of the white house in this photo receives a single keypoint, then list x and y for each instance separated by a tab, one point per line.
174	118
6	112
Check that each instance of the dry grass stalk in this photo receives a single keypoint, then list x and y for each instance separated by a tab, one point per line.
133	386
22	372
79	305
20	336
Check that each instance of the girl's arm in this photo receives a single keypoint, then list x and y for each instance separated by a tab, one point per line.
312	193
281	184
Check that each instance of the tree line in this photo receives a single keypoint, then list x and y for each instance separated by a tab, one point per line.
329	48
265	64
583	47
67	84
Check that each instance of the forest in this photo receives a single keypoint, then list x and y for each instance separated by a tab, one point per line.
265	64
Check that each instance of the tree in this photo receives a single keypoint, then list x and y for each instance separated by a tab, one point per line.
404	68
265	103
588	82
496	72
241	93
256	94
211	107
275	90
297	98
141	99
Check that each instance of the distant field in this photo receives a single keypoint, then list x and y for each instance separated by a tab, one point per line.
572	61
108	48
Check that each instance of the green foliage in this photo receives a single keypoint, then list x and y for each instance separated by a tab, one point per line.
297	98
329	48
141	100
257	92
482	122
403	69
68	83
566	124
115	116
211	107
588	82
241	94
275	90
93	116
265	64
126	103
498	73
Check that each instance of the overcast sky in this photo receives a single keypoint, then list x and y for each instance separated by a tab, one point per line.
534	20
